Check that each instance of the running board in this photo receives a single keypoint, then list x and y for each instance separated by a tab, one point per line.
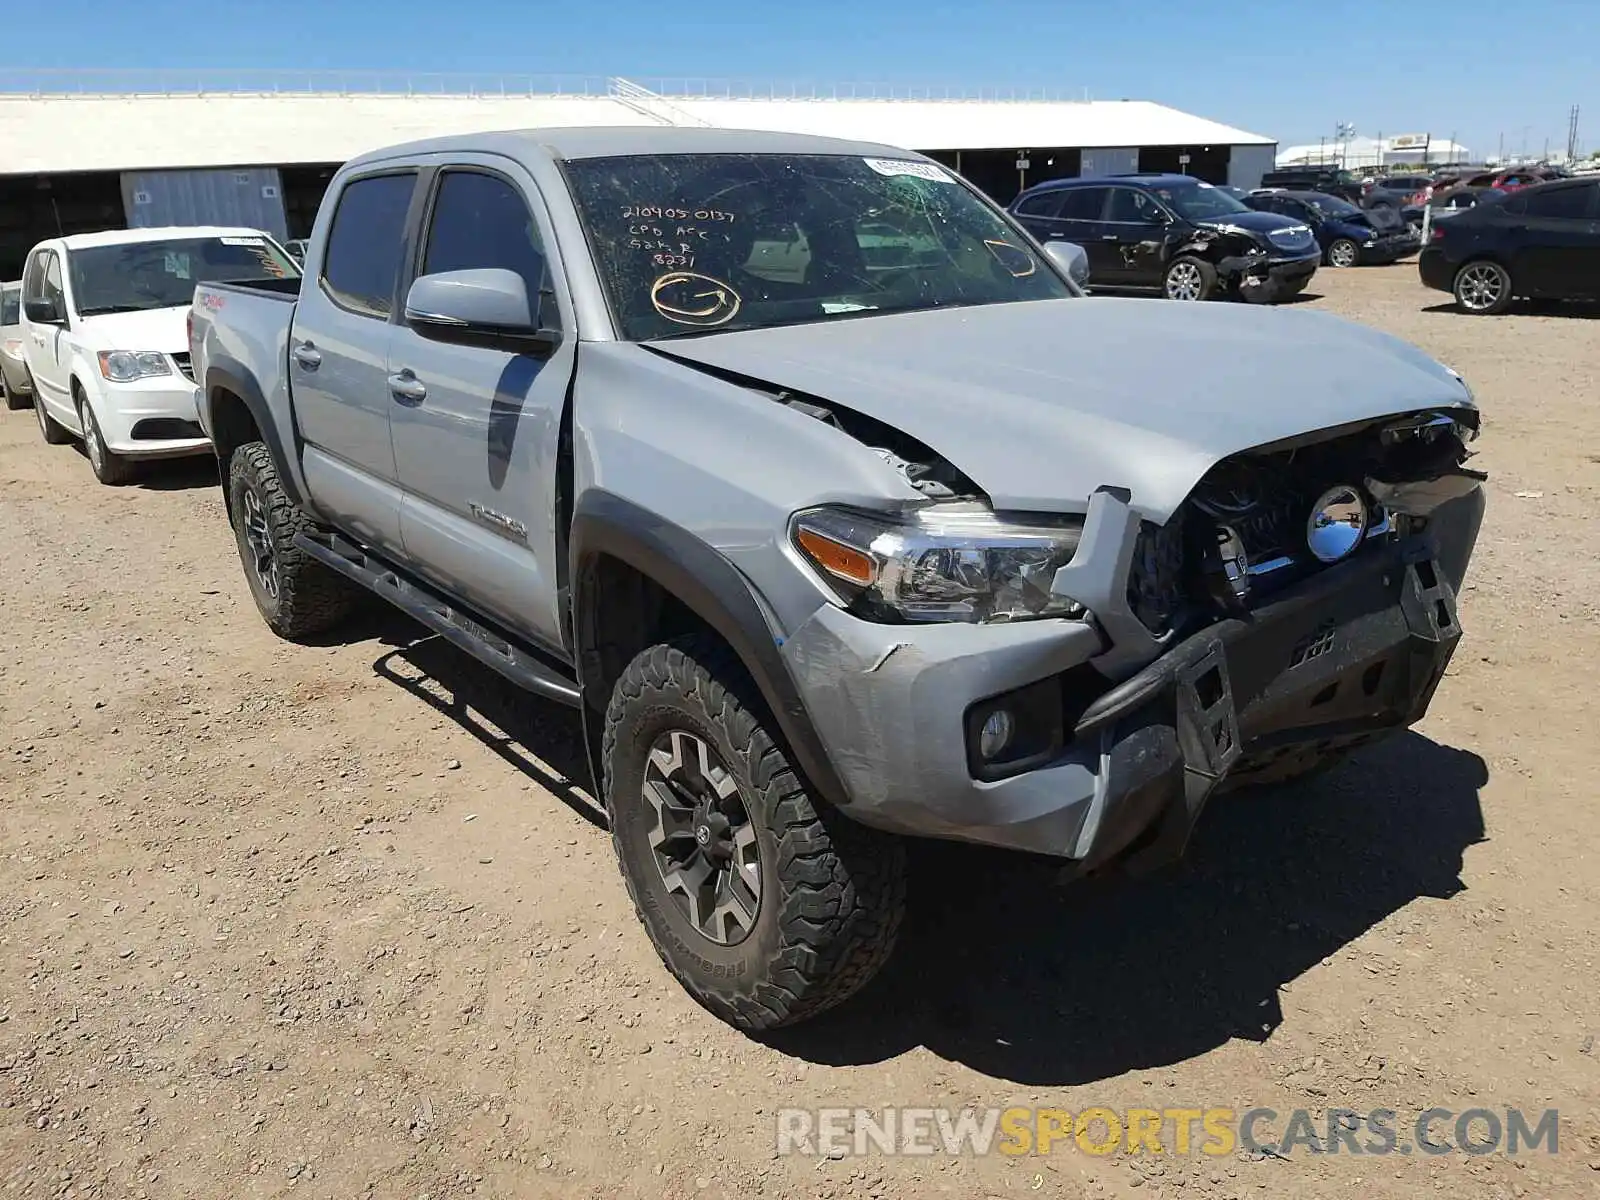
529	671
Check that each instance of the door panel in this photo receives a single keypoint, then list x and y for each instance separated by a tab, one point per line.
1080	221
48	353
339	348
1558	245
476	454
1132	236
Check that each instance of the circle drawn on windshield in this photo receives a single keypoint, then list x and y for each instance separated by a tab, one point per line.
687	298
1017	261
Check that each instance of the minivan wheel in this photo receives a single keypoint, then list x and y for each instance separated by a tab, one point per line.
296	595
766	904
1189	279
1344	253
13	398
1483	288
110	469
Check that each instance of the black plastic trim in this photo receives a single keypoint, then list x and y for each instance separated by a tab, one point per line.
700	578
224	374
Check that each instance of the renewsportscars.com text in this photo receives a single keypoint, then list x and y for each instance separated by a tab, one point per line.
1215	1132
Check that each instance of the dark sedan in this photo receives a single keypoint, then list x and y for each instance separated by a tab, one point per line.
1348	235
1539	242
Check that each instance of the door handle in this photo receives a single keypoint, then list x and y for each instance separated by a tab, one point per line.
404	385
307	355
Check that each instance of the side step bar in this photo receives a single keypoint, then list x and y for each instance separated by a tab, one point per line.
528	670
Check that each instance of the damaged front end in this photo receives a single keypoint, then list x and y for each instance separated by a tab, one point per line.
1303	602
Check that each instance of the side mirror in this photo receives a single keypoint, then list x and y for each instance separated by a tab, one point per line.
44	312
484	306
1070	257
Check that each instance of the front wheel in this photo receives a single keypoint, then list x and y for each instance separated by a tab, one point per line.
110	469
767	905
1343	252
1189	279
296	595
1483	288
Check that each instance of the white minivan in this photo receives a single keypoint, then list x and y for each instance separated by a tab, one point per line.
105	335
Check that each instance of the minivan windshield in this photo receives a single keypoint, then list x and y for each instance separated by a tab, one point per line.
694	243
1199	201
135	276
11	306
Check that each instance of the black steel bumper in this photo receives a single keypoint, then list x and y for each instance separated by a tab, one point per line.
1348	656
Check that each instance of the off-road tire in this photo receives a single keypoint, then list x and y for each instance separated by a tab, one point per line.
49	429
312	598
110	469
833	892
1206	273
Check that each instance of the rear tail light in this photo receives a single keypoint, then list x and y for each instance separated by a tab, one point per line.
1438	233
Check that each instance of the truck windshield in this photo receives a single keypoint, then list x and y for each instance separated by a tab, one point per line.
693	243
135	276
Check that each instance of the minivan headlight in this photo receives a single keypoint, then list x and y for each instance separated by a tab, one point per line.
940	563
124	366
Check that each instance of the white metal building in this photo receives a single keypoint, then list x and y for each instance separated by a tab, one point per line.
72	160
1410	149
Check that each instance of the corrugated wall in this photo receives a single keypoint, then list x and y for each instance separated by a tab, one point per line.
251	197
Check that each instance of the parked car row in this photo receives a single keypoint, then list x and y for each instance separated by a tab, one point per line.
823	493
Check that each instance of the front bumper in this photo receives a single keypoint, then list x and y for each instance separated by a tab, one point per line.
16	373
1389	249
1263	277
150	418
1350	654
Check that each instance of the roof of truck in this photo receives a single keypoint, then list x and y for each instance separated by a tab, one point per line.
609	141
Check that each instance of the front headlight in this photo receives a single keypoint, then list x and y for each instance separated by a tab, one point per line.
942	563
124	366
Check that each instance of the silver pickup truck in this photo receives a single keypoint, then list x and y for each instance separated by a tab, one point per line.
838	511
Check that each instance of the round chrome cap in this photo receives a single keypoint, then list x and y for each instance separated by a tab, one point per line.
1337	523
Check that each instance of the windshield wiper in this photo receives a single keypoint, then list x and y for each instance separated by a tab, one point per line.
103	310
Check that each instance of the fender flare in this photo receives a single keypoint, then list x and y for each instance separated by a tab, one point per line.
705	582
226	375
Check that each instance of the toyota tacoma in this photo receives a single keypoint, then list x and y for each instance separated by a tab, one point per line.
838	512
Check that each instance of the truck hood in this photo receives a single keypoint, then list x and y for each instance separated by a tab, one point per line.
1041	403
164	329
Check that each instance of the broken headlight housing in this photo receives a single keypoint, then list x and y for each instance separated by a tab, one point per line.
955	562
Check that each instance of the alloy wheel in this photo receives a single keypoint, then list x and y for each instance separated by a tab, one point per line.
258	537
1343	254
702	839
1481	286
1184	282
91	439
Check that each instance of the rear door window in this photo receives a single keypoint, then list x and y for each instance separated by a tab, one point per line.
1083	204
1132	207
366	244
1567	203
1045	204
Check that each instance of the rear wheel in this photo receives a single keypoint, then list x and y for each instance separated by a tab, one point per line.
1189	279
14	400
110	469
1343	252
296	595
51	432
1483	288
767	905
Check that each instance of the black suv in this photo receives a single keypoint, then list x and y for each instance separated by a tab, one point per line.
1173	232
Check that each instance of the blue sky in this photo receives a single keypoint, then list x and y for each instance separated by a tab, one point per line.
1288	70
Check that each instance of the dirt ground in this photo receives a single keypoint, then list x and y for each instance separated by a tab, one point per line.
333	921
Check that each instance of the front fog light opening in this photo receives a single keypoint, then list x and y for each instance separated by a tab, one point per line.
995	737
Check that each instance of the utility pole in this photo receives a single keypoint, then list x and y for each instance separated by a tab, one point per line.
1501	156
1572	135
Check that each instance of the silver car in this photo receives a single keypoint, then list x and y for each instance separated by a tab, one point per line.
16	385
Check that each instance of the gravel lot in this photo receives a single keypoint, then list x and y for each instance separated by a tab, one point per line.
333	922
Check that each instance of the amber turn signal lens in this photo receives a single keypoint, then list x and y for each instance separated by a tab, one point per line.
836	558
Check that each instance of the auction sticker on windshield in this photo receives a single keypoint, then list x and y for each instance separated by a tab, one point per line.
243	241
900	166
